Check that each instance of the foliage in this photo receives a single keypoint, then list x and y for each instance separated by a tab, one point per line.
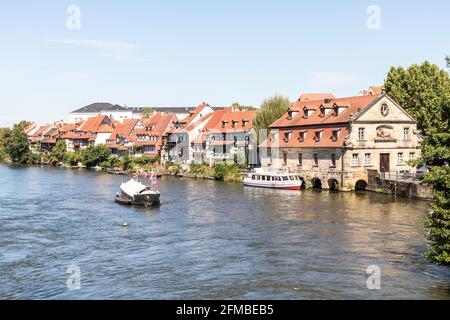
201	170
271	110
16	145
147	113
59	152
227	172
94	155
4	134
74	158
424	91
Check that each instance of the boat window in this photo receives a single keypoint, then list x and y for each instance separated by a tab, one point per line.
285	178
253	177
291	178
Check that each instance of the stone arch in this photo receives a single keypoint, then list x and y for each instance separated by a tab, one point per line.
316	183
361	185
333	185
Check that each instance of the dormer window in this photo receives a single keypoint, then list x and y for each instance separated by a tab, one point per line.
234	123
336	110
244	123
322	111
305	112
224	124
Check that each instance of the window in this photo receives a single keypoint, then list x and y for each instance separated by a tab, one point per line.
412	156
317	136
361	134
306	112
335	135
322	112
368	159
287	136
336	111
316	159
300	159
333	160
406	134
400	160
355	160
284	158
302	136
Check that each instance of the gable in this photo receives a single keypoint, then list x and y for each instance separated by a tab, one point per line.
384	109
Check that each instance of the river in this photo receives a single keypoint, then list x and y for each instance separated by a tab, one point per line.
208	240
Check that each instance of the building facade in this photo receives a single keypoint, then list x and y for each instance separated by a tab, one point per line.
333	143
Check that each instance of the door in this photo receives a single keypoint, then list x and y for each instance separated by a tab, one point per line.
384	162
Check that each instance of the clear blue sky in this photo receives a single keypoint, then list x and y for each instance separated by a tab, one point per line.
180	53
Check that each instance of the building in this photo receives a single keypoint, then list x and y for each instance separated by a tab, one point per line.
120	113
179	147
334	142
114	112
150	139
122	138
93	131
231	138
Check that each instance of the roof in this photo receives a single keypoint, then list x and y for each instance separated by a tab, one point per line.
124	129
234	121
326	140
192	114
158	124
349	107
315	96
99	107
97	124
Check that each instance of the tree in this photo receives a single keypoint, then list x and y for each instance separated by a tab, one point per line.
447	59
17	145
147	113
94	155
4	134
424	91
59	152
271	110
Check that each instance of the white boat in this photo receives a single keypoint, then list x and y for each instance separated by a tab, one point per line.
275	180
135	193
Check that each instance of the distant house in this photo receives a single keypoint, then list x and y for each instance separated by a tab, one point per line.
149	140
230	139
95	131
179	147
120	113
114	112
121	139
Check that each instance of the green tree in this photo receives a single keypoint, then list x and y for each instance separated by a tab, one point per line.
17	146
4	134
147	113
59	152
424	91
271	110
94	155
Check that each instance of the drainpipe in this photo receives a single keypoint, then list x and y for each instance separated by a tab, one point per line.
342	167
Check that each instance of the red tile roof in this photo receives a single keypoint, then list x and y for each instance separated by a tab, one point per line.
349	107
99	124
315	96
234	122
326	140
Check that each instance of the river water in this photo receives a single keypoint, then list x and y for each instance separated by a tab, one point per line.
208	240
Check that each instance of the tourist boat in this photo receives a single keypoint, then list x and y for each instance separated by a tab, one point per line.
275	180
135	193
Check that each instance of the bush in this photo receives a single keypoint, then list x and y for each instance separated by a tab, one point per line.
94	155
227	172
73	158
201	170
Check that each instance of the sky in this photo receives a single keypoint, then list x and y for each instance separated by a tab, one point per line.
182	53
